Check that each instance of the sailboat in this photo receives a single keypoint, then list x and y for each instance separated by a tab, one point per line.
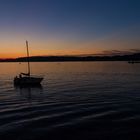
26	78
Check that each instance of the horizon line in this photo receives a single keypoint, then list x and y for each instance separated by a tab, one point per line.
78	55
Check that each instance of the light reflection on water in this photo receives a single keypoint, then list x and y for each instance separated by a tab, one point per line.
81	100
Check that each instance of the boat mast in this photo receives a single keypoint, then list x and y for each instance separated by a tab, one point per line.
28	57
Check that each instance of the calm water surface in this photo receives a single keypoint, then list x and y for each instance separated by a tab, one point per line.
81	100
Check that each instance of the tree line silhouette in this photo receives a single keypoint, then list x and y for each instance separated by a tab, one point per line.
132	57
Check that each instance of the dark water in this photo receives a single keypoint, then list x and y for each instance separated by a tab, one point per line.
81	100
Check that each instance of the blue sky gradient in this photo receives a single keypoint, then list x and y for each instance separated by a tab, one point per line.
70	20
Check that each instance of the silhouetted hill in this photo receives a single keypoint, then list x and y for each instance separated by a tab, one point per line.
133	57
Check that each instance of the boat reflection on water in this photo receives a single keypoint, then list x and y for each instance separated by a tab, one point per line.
30	92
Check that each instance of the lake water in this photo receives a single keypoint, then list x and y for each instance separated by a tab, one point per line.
80	100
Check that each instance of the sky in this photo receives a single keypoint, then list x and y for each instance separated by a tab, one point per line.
69	27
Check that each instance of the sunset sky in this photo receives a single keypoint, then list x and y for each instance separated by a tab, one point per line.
69	27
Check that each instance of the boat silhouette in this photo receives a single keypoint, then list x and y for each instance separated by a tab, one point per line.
133	62
26	78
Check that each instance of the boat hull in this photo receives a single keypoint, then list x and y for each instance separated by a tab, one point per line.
27	80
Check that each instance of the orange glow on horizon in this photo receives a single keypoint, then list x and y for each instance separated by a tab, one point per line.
53	47
47	53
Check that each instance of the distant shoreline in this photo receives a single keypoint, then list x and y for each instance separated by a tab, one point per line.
133	57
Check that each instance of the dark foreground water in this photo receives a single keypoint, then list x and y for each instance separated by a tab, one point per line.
81	100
